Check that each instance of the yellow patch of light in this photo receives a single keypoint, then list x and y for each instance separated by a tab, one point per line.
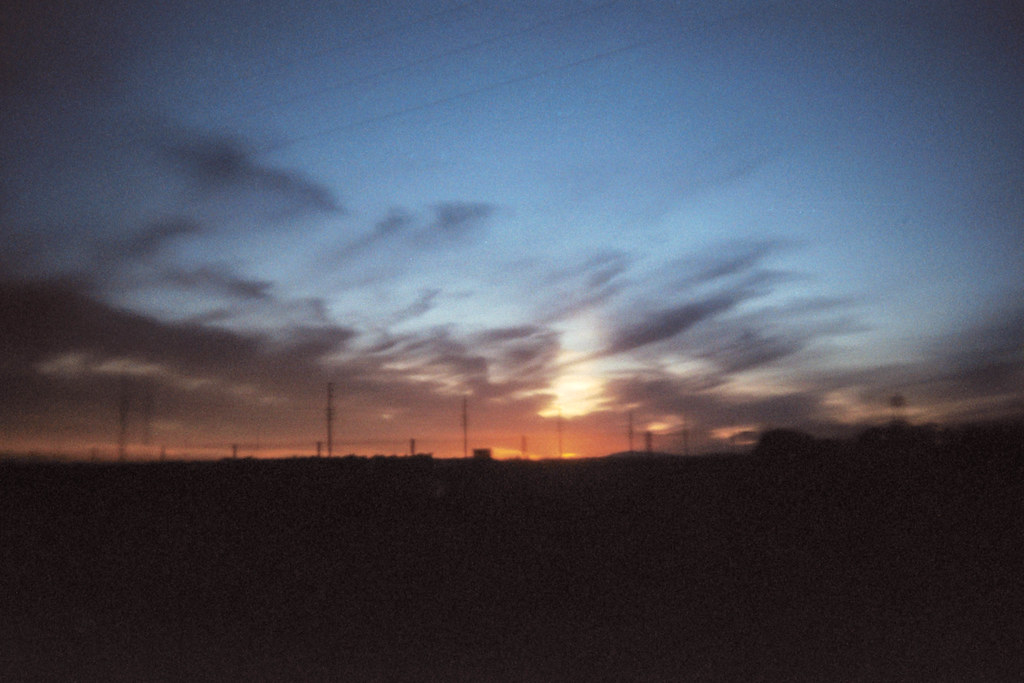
576	393
759	385
733	431
845	407
662	426
501	453
425	374
682	367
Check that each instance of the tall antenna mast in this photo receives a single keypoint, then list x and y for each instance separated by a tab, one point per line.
122	420
897	402
330	418
686	437
465	428
560	451
629	431
147	416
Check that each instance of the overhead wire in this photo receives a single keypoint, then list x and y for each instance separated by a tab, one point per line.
489	87
453	52
347	47
449	99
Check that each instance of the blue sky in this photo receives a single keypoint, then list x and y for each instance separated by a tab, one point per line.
717	216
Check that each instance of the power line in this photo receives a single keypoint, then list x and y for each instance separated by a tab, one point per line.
346	47
434	58
330	419
458	96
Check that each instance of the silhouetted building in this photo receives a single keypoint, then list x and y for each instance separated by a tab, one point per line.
481	453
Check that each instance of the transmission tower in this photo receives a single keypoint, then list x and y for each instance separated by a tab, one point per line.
465	428
629	432
147	416
330	418
122	420
560	451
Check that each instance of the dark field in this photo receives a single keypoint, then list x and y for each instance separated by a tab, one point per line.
824	567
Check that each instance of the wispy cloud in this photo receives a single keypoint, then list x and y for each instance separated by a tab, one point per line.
154	237
570	290
62	336
660	325
386	230
219	165
219	281
423	303
456	222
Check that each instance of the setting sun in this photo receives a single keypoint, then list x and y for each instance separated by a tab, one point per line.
575	394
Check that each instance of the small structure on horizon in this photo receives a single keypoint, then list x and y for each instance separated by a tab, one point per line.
481	453
897	403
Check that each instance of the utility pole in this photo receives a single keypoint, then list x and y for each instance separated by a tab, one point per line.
649	442
560	451
522	446
330	419
465	428
412	446
147	416
629	431
122	419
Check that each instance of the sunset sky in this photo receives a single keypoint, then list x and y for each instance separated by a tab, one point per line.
726	216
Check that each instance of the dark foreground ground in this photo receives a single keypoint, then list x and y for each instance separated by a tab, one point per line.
852	568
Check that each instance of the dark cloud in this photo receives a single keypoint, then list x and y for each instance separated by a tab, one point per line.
526	355
316	342
63	352
392	237
665	324
989	356
731	259
494	364
504	334
157	235
697	404
454	221
423	303
769	334
604	268
596	272
48	318
752	349
222	164
396	222
579	287
219	281
975	373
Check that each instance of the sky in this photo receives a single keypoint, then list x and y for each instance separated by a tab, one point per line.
709	218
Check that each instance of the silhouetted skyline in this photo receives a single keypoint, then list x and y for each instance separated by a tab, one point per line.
729	217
